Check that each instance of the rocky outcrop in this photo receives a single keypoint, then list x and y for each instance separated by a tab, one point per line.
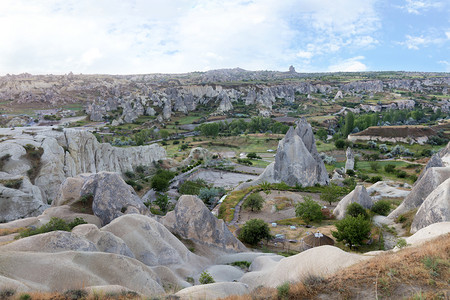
64	154
358	195
439	159
211	291
112	197
350	162
434	209
192	220
297	160
430	180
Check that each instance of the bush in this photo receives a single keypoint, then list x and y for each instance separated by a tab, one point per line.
309	210
375	179
355	209
253	155
254	231
162	200
283	291
245	161
331	193
352	230
350	172
54	225
374	166
192	187
254	202
160	182
207	194
340	144
206	278
381	207
401	174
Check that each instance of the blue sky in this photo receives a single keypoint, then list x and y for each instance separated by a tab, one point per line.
175	36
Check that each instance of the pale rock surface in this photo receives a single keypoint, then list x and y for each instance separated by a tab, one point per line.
75	270
358	195
428	233
55	241
67	214
69	191
223	273
192	220
112	196
434	209
213	291
297	160
440	159
320	261
350	162
104	241
430	180
152	244
387	189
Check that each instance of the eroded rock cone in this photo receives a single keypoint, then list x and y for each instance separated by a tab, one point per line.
435	208
297	160
358	195
192	220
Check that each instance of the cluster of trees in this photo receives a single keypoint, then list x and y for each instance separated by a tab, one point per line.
239	126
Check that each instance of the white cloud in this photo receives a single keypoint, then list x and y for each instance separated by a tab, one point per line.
349	65
416	42
419	6
114	36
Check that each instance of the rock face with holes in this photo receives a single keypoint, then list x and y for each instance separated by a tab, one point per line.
358	195
434	209
192	220
350	162
297	160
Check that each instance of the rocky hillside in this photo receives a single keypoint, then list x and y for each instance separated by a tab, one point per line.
125	98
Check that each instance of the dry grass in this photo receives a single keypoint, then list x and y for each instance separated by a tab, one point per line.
68	296
226	210
8	231
418	272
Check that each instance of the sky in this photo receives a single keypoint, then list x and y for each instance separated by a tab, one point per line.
177	36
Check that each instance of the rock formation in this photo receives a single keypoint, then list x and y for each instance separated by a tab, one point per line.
358	195
434	209
192	220
50	156
297	160
350	162
430	180
440	159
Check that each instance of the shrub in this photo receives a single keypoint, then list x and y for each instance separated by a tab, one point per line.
375	179
162	200
253	155
340	144
245	161
374	166
25	297
283	291
309	210
331	193
75	294
208	194
206	278
350	182
7	293
355	209
254	201
254	231
381	207
53	225
352	230
401	174
192	187
401	243
350	172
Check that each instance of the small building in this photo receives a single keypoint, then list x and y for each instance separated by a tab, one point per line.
315	240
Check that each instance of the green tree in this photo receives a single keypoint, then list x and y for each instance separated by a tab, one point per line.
340	144
355	209
208	194
352	230
205	278
331	193
253	155
254	231
309	210
164	134
381	207
349	123
254	202
322	134
375	166
162	200
210	129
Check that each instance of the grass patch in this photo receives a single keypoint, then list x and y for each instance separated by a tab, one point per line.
54	225
226	210
12	183
406	220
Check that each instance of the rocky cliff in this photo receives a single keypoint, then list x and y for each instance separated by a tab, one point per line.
35	161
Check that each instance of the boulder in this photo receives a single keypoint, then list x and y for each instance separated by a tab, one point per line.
428	233
104	241
350	162
66	213
297	160
430	180
152	244
112	196
213	291
55	241
434	209
319	261
192	220
388	189
358	195
69	191
76	269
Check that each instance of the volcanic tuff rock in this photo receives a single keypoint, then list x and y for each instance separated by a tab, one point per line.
435	208
440	159
358	195
112	196
297	160
65	154
350	163
430	180
193	221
